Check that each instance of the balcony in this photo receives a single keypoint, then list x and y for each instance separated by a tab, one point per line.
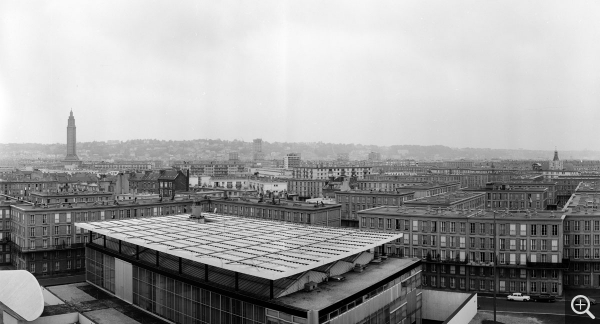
41	248
549	265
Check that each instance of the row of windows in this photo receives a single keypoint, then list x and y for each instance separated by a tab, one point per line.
445	226
485	285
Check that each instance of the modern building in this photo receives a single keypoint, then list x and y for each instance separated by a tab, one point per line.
71	157
257	152
291	160
239	270
462	251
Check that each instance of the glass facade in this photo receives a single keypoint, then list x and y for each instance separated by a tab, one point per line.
100	269
405	307
183	303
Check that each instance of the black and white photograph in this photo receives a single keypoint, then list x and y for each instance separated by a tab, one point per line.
299	162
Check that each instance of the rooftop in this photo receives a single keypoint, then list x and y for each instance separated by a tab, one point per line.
377	192
460	213
71	194
331	292
261	248
445	199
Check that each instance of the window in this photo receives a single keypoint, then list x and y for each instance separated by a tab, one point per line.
533	286
566	239
523	231
543	246
533	245
472	231
576	239
576	225
544	230
364	222
462	227
554	230
596	225
586	225
513	229
69	217
32	231
415	226
32	267
502	244
44	219
513	245
443	227
533	230
45	267
462	242
586	239
482	228
523	245
31	219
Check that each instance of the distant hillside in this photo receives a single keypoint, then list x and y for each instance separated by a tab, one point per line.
208	149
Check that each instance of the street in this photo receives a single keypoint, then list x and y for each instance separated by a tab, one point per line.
547	312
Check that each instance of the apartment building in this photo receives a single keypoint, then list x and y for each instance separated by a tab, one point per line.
306	188
279	210
353	201
462	251
500	195
582	237
325	173
44	241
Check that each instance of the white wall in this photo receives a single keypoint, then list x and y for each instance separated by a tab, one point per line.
57	319
466	313
439	305
123	280
50	298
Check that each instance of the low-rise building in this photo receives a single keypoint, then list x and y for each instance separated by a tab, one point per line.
240	270
277	209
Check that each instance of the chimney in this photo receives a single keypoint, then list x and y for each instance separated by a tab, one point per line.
187	184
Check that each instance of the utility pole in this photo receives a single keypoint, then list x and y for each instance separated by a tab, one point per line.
495	265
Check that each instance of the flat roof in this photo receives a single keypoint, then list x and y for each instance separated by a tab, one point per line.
256	247
331	292
446	198
460	213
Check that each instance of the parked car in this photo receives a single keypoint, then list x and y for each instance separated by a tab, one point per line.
518	297
544	298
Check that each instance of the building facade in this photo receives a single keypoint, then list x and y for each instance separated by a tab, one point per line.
45	242
477	250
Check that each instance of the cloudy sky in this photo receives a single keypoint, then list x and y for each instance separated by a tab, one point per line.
498	74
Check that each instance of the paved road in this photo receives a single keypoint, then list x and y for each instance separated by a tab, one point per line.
554	312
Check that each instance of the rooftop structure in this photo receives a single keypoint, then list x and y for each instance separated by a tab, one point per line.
20	295
261	248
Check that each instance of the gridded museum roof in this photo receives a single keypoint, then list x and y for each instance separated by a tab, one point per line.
261	248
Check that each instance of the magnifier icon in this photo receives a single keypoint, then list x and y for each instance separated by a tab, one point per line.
580	304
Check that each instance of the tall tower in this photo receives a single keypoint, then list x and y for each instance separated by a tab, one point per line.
258	154
71	157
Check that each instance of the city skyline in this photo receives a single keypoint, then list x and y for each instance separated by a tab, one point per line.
465	74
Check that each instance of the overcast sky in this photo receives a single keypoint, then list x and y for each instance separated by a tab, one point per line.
498	74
